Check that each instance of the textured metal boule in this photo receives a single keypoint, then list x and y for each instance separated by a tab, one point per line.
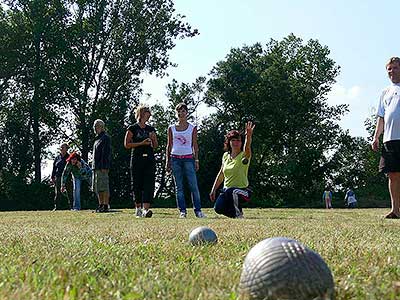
284	269
202	235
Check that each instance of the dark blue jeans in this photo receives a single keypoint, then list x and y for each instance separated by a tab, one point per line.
185	168
229	202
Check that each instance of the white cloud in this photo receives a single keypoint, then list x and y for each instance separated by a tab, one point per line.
341	95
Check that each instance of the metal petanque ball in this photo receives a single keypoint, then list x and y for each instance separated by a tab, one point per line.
202	235
281	269
245	160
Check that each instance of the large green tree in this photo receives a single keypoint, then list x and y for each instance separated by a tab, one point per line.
64	64
112	43
31	49
282	87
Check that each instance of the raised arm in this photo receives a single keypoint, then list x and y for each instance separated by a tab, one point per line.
247	143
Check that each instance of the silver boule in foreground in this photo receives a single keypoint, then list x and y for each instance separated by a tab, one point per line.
202	235
281	269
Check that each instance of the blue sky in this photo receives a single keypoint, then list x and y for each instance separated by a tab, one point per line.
362	36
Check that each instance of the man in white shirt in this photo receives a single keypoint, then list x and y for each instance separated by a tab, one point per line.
388	122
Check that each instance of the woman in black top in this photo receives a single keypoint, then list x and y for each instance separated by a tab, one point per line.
142	139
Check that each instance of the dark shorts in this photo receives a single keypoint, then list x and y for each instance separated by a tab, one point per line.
390	159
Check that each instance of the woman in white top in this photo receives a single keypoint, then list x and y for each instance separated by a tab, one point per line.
183	159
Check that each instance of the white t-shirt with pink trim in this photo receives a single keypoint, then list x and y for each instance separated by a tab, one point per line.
182	140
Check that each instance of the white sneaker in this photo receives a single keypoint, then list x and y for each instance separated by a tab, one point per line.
182	215
199	214
138	213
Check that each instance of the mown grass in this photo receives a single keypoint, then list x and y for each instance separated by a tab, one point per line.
67	255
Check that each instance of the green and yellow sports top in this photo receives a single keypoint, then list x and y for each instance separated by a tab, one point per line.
235	172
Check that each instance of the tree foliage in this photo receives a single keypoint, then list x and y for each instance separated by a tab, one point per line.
66	63
282	87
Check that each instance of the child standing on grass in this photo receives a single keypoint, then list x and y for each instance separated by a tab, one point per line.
327	198
350	199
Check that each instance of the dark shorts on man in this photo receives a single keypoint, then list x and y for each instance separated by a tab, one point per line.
390	159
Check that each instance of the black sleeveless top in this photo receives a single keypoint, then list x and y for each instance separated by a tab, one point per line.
139	135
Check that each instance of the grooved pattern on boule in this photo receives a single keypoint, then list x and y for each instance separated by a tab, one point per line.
202	235
284	269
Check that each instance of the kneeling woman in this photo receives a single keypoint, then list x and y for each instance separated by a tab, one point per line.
233	172
80	171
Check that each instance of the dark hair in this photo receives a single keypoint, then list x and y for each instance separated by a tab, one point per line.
233	134
180	106
393	60
74	155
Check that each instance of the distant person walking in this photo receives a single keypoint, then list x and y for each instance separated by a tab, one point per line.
142	139
233	173
58	167
350	199
101	165
183	158
327	198
80	171
388	123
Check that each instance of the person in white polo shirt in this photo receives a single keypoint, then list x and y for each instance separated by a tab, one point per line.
183	158
388	122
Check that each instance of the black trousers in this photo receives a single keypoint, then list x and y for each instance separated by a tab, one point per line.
58	195
143	170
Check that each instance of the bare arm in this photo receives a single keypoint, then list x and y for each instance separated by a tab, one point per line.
377	134
168	150
128	141
217	182
195	146
247	142
154	140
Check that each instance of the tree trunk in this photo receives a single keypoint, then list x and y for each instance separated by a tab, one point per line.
35	110
36	137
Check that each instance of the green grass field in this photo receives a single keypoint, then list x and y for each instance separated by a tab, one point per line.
81	255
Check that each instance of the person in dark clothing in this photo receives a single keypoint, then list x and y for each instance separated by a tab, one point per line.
101	165
56	175
142	139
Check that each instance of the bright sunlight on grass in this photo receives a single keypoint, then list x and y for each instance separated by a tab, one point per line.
68	255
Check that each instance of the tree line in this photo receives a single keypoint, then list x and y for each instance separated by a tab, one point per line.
64	64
